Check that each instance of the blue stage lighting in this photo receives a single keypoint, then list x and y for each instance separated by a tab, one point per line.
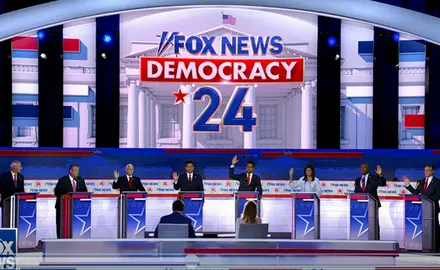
40	34
332	41
396	37
107	38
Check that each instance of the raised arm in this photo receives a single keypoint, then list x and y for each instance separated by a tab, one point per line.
231	169
409	187
176	179
115	184
293	185
382	182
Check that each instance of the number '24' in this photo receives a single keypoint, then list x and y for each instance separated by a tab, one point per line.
230	117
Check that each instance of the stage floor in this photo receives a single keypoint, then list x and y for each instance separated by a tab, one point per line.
403	261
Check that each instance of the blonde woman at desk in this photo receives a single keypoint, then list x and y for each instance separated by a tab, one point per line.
308	182
249	216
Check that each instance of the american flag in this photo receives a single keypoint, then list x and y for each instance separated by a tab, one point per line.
228	19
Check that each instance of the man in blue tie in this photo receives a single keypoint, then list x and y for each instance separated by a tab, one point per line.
369	183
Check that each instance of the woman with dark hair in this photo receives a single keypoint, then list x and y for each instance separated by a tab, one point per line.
249	215
308	182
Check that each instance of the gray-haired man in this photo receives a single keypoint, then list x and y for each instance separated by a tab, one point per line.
128	182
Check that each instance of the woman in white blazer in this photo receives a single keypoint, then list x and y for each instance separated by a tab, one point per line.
307	183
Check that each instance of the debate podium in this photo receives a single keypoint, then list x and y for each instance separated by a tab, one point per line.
193	201
75	215
132	214
305	216
20	211
419	228
363	217
241	197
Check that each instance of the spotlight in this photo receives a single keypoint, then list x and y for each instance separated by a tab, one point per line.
107	38
104	56
396	37
40	34
43	56
337	57
332	41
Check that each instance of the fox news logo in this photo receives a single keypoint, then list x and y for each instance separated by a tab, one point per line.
8	248
235	45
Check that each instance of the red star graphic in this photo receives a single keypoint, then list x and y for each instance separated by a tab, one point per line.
180	96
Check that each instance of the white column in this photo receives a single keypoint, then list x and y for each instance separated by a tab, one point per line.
306	117
133	116
297	100
143	117
152	121
250	138
188	118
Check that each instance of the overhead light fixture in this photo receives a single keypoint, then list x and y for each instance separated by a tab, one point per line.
43	56
104	56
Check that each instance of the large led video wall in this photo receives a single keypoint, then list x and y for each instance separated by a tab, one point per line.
357	44
164	112
284	109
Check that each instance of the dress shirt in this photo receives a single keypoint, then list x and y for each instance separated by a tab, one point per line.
73	182
188	175
366	179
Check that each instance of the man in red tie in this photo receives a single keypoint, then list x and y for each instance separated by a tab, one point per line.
128	182
11	182
188	181
67	184
369	183
248	180
430	188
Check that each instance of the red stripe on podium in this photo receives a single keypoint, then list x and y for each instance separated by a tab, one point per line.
281	251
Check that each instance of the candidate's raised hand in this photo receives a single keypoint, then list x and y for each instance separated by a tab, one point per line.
379	170
175	176
234	160
116	174
406	180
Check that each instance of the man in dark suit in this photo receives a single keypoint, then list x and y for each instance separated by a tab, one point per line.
128	182
67	184
11	182
177	217
369	183
248	181
430	188
188	181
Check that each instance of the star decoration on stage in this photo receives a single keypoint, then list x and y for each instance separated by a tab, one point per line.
307	220
362	220
85	219
180	96
416	227
194	221
31	222
140	226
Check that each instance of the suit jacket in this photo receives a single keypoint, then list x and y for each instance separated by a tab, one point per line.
177	218
433	191
195	185
373	182
242	178
64	186
7	187
122	184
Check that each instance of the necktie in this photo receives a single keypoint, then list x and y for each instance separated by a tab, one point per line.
249	179
74	185
425	186
129	181
189	179
15	180
363	183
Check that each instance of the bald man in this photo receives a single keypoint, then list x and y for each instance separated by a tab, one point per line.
128	182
